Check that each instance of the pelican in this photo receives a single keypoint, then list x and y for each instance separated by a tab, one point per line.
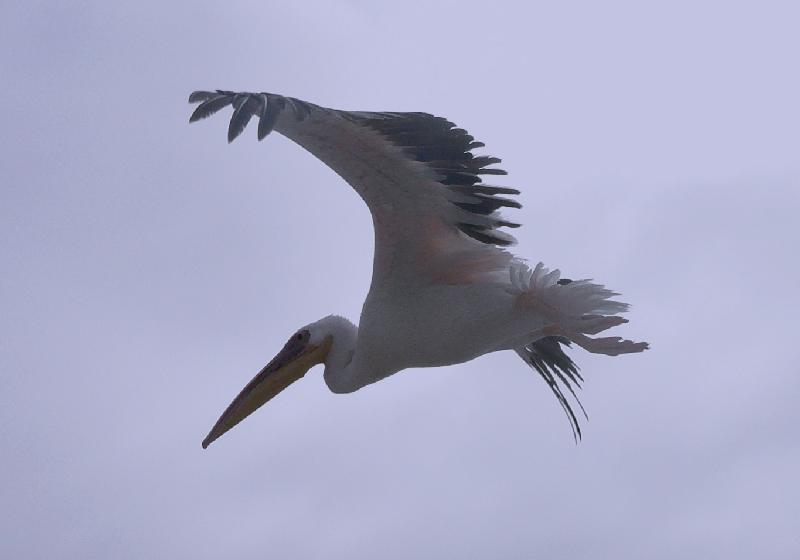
444	289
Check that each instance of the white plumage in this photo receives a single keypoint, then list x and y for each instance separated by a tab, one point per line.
444	290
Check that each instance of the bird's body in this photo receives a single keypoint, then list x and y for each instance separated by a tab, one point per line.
444	288
401	330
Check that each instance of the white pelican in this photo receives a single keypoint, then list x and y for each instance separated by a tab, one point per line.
444	291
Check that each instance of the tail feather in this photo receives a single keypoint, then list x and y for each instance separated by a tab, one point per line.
574	308
574	298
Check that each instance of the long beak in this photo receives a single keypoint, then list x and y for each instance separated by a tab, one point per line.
291	363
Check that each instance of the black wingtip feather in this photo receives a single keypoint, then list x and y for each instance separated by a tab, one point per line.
198	96
271	109
210	106
245	107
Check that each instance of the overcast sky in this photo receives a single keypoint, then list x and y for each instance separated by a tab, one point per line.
149	270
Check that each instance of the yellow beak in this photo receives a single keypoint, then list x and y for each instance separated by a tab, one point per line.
291	363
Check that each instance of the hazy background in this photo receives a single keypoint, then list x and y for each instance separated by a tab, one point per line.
149	270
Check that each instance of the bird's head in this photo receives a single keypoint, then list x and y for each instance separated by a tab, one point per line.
319	342
301	352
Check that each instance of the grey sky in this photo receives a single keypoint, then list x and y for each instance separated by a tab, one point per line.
149	269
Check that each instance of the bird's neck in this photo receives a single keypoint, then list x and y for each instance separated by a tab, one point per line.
346	368
341	364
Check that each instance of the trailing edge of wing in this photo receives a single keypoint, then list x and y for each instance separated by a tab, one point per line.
434	141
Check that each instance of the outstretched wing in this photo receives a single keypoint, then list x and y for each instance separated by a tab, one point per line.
434	217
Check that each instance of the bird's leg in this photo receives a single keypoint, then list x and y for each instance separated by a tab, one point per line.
588	324
593	324
609	345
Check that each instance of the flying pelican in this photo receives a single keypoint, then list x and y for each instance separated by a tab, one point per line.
444	290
